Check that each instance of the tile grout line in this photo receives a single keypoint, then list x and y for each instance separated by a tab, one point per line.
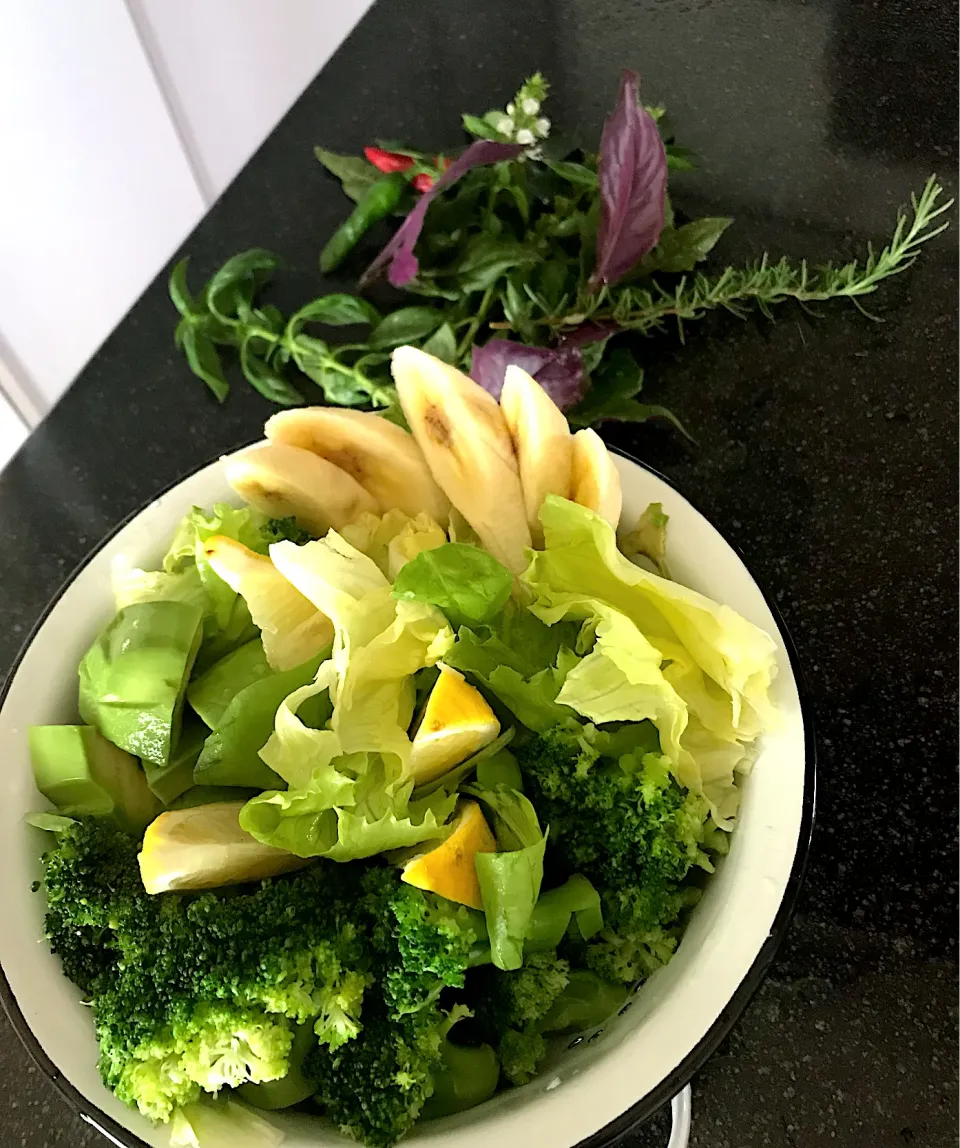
168	94
18	387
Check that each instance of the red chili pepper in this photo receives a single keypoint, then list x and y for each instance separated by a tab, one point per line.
387	161
423	181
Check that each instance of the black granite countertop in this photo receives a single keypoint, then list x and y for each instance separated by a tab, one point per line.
827	453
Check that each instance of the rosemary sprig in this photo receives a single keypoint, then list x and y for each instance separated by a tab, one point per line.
763	284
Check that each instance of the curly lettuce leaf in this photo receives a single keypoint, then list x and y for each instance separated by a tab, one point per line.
393	539
186	576
355	806
621	680
349	793
522	662
581	559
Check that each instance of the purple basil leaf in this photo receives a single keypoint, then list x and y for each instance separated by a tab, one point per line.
589	333
559	370
633	184
399	251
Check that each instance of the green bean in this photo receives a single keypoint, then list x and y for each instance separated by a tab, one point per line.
377	203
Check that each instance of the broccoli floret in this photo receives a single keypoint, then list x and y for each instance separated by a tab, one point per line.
284	530
200	993
521	1052
192	994
436	939
206	1048
374	1088
510	1006
630	828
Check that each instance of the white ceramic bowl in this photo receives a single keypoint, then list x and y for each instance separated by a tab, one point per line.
601	1085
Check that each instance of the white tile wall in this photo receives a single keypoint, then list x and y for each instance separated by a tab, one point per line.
231	68
123	120
96	190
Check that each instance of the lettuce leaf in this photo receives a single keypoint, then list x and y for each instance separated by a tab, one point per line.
510	880
581	560
393	539
522	662
354	807
620	679
186	576
349	793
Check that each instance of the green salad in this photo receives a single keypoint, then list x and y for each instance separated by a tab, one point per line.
392	777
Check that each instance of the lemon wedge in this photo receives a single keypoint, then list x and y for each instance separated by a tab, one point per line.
449	869
292	628
204	848
456	723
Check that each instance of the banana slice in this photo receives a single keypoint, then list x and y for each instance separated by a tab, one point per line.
542	440
285	481
596	481
292	628
383	458
468	448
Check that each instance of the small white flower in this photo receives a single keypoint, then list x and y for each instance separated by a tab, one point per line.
534	153
505	126
510	109
542	127
525	136
530	106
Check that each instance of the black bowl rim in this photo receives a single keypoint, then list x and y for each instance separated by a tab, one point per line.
671	1084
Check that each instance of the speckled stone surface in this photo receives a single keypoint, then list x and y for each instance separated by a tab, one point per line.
827	453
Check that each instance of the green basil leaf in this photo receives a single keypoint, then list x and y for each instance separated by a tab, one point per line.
266	379
407	325
593	354
336	311
180	293
681	248
270	317
341	385
576	173
203	359
680	158
466	583
628	411
613	385
231	289
355	173
487	260
480	128
442	344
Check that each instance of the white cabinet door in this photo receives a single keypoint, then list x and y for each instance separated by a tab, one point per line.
96	189
231	68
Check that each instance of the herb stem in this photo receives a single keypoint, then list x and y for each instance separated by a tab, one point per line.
475	323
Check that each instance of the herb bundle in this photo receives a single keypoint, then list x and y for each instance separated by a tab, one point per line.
513	251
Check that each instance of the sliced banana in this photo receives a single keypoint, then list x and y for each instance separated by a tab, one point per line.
468	448
596	481
383	458
286	481
542	440
292	628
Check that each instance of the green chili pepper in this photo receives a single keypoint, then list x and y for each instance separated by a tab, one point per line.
377	203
